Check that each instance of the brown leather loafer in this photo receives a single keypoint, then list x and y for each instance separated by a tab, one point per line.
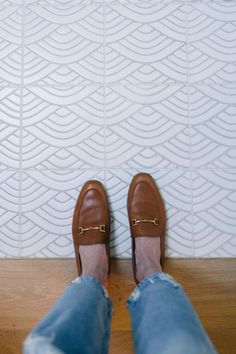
146	213
91	220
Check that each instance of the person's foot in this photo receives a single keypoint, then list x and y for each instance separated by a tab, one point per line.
91	231
147	256
94	261
147	221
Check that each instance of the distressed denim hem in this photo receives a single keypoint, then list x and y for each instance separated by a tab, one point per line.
91	278
37	344
151	279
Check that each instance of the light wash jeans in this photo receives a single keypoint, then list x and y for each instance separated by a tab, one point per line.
163	320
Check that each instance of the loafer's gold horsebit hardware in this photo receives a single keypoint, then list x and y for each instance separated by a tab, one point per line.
101	228
154	221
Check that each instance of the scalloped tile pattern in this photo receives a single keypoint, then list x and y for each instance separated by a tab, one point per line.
214	203
9	214
212	42
63	127
103	89
146	43
147	127
11	44
213	126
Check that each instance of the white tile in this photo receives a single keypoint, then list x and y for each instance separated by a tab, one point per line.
214	204
176	192
10	45
64	45
9	214
48	201
212	37
9	128
105	87
63	127
213	126
146	43
147	126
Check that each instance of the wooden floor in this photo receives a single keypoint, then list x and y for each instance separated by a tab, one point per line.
29	287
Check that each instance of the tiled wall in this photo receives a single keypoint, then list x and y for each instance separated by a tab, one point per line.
103	89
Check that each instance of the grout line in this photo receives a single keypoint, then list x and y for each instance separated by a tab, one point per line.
118	84
190	128
21	127
122	2
104	2
155	168
62	6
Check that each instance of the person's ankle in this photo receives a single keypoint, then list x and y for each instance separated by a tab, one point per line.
147	254
147	269
97	273
94	261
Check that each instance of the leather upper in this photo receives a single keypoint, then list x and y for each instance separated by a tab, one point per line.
145	205
91	212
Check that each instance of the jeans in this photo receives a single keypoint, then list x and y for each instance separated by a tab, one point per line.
163	320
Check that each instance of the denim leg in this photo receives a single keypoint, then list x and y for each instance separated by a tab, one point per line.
163	319
78	323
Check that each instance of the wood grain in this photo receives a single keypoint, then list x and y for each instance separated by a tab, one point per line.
30	287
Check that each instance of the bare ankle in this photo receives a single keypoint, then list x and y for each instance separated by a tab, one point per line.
148	269
94	261
99	273
147	254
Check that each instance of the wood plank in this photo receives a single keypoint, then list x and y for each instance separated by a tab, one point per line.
30	287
